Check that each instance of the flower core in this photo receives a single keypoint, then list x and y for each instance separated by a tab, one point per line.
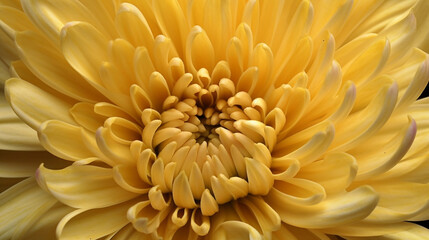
207	144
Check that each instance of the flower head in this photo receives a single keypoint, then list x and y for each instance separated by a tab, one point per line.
214	119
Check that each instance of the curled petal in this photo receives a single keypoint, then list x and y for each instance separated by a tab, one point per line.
145	218
128	178
236	230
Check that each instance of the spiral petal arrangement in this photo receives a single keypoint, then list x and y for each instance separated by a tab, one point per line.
208	119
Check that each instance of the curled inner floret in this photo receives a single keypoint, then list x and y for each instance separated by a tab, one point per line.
206	145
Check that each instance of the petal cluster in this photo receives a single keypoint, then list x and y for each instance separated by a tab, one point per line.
214	119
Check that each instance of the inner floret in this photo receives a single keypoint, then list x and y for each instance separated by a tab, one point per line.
208	146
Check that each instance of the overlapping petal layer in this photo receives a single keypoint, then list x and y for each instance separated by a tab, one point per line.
214	119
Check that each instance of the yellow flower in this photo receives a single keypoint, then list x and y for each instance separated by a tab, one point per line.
213	119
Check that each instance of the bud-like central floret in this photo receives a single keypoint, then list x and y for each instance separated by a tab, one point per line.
209	146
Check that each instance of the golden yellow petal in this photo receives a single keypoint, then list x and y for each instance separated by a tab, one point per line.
85	223
20	94
15	135
236	230
83	186
21	207
64	147
344	208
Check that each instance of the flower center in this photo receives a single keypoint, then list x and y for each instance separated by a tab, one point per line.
209	146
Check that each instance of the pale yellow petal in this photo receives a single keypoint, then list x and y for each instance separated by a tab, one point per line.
69	144
340	209
22	206
335	172
395	201
140	34
370	230
45	226
172	23
21	96
50	17
84	224
36	51
83	186
76	38
237	230
15	135
414	232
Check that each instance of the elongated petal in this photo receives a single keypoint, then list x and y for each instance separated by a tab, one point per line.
15	134
21	206
69	145
347	207
85	224
83	186
20	94
36	51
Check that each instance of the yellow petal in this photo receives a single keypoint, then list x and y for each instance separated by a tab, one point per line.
45	226
236	230
199	50
422	23
298	191
76	38
182	193
83	186
395	201
259	177
200	224
50	17
83	113
374	164
312	149
128	178
335	172
14	134
416	86
140	34
343	208
369	230
416	232
146	219
22	206
256	212
172	23
83	224
58	74
71	147
20	94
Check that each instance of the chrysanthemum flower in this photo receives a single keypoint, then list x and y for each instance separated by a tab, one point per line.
213	119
